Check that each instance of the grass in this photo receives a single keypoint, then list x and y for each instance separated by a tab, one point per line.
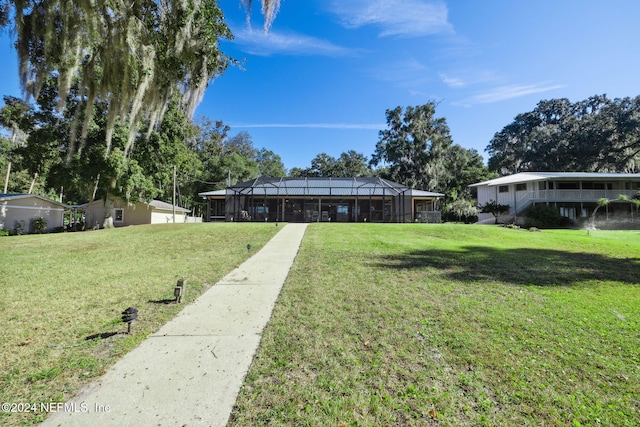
63	294
452	325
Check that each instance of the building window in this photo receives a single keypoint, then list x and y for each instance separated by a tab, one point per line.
568	212
521	187
568	186
118	215
503	189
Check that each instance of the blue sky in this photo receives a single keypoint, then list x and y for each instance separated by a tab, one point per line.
321	79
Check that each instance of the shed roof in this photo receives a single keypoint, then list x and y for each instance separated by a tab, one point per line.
8	197
543	176
320	186
157	204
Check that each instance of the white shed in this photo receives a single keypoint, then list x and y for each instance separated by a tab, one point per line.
124	213
25	208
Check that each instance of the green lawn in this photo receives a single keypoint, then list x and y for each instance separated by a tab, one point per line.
377	324
452	325
60	289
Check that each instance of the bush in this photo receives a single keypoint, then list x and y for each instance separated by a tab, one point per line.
18	228
543	216
39	225
5	233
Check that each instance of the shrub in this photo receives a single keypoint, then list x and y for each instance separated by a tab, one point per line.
543	216
39	225
18	228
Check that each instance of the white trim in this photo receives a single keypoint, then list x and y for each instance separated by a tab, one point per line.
524	177
32	208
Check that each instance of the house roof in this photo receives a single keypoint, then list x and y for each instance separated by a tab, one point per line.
544	176
155	204
323	186
8	197
216	193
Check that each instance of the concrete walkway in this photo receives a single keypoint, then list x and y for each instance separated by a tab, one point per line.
190	371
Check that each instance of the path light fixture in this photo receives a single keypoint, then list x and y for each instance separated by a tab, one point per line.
248	247
178	291
128	316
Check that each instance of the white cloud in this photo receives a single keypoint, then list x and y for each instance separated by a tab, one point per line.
404	18
356	126
465	77
258	42
451	81
409	74
509	92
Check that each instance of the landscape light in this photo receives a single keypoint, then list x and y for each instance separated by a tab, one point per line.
178	291
128	316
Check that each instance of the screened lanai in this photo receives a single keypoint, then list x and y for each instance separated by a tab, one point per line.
322	200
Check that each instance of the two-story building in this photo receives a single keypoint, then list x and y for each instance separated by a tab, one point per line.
575	194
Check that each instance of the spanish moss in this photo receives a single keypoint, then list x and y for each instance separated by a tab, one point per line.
132	55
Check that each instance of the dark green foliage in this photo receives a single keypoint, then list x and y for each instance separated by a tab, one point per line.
349	164
417	150
270	164
544	216
132	56
414	147
39	225
594	135
494	208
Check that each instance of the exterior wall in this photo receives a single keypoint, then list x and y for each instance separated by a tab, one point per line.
164	217
137	214
27	209
316	209
95	213
576	202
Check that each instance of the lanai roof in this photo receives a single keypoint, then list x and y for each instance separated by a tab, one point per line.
361	187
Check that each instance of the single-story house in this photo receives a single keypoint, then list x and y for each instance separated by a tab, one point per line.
25	208
123	213
575	194
322	200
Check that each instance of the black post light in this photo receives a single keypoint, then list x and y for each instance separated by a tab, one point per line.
128	316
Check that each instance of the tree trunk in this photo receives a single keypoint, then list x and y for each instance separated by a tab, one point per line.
33	182
6	178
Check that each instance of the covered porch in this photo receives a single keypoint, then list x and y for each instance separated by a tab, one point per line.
322	200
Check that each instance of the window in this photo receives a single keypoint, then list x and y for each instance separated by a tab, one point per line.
521	187
587	185
118	215
568	186
503	189
568	212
